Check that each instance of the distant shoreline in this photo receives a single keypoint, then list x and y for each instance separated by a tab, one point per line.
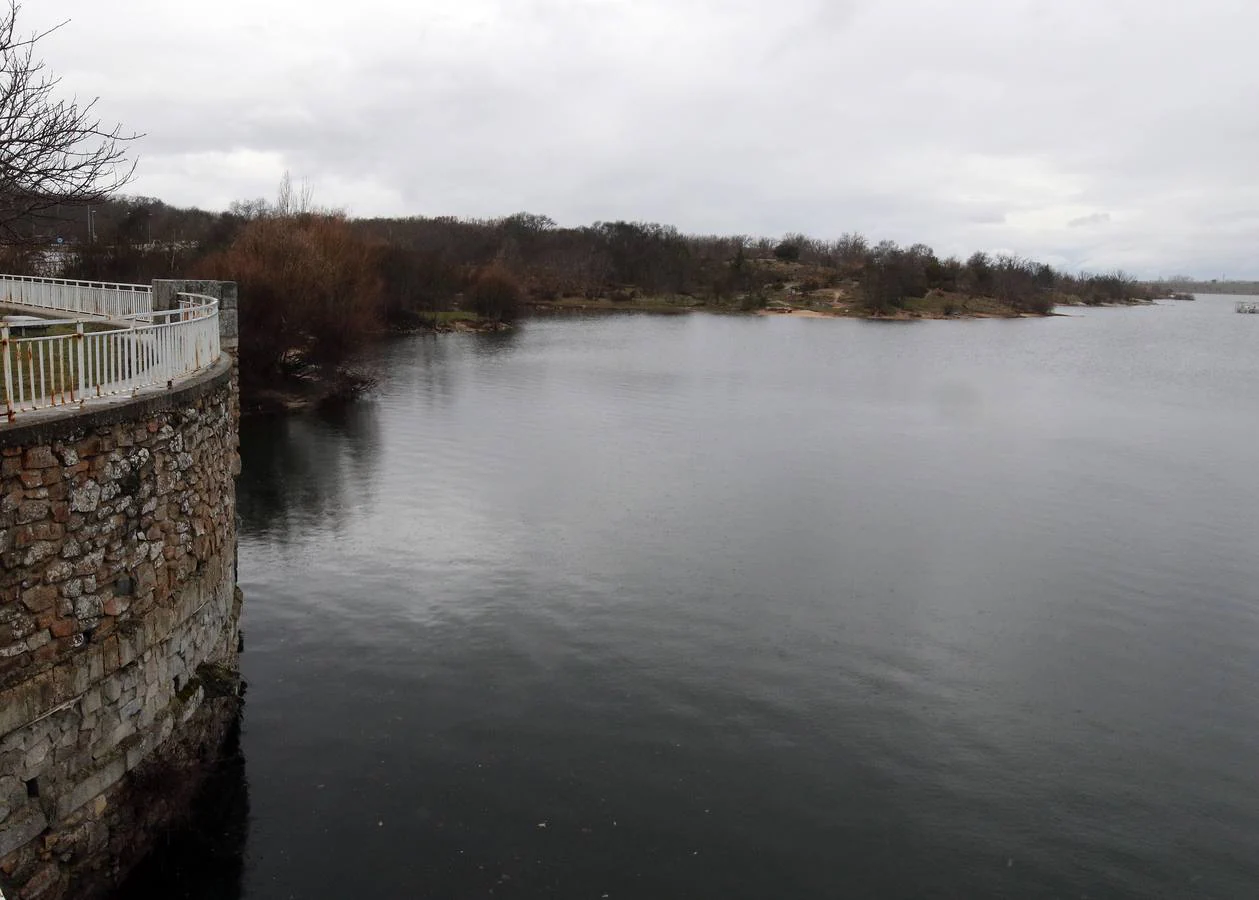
936	306
1230	288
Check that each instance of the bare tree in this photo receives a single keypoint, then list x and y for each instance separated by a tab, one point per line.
288	203
52	150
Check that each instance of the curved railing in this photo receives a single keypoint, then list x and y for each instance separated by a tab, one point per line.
94	298
95	360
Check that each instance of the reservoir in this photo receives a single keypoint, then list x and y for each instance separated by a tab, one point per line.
735	607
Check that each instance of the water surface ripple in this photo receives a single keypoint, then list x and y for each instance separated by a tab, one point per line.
725	607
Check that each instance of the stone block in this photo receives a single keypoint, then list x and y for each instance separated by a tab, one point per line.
92	786
48	531
40	457
109	649
39	598
11	788
126	728
69	681
38	552
35	759
58	572
21	626
131	646
24	702
91	702
229	324
88	446
90	563
63	628
85	498
22	827
131	708
145	578
32	511
112	690
95	663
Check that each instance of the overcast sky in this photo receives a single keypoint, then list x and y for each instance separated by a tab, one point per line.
1090	133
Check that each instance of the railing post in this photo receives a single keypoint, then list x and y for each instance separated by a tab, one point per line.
82	379
5	348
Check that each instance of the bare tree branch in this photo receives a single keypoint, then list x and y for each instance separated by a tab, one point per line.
52	151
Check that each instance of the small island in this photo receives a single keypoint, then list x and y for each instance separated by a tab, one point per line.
897	285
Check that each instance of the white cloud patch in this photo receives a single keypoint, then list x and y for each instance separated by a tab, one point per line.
1098	218
1091	134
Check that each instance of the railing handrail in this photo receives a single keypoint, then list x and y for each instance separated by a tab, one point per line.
109	300
154	348
201	300
69	282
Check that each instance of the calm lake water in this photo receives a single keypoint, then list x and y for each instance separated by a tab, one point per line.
655	607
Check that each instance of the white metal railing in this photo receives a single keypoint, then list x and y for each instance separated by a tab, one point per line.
59	369
96	298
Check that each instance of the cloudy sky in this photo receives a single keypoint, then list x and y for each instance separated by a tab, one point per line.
1090	133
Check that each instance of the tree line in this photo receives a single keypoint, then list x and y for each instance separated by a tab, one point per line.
318	284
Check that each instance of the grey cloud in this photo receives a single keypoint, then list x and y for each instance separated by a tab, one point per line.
993	124
1094	219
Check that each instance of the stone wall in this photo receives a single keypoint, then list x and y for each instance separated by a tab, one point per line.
118	628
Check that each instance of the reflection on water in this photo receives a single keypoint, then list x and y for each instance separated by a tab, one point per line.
306	468
206	859
729	607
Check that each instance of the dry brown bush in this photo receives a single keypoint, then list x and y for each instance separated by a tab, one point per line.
495	294
308	285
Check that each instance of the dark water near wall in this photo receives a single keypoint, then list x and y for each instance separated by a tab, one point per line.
726	607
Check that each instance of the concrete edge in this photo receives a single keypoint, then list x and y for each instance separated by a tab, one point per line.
62	423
